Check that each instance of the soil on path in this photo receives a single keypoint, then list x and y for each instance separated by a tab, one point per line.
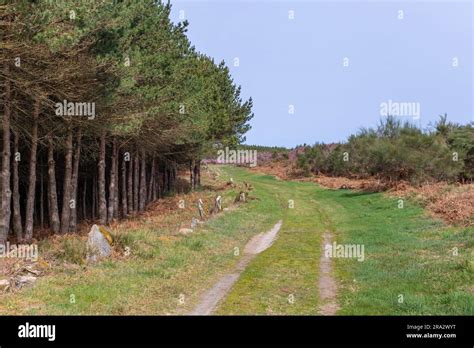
209	301
327	284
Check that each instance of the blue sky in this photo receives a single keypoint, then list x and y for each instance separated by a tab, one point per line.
299	62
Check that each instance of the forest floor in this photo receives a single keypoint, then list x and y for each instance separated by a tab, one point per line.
411	263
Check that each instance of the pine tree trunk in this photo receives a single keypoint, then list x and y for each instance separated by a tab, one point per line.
6	190
67	189
130	186
17	224
84	200
152	180
165	181
52	190
136	181
199	173
191	175
142	202
112	183
124	188
117	184
30	202
41	197
168	178
175	175
195	175
94	197
74	183
101	182
159	184
156	182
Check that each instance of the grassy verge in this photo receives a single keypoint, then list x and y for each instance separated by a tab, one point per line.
164	273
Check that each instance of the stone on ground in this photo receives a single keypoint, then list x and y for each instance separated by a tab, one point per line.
97	245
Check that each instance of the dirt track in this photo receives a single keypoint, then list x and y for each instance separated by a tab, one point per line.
209	301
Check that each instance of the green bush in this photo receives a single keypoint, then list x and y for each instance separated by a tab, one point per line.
395	151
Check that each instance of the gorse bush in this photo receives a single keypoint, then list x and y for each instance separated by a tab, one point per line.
397	151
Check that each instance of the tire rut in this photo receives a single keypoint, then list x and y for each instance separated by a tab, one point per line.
327	284
210	300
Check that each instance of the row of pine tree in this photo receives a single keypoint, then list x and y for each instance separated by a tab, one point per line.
158	105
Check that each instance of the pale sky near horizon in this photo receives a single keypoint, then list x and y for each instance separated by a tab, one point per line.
300	61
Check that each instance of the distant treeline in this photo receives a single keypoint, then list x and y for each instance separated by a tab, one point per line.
261	148
398	151
101	101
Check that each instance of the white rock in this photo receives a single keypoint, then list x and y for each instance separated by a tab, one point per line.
4	284
25	281
97	245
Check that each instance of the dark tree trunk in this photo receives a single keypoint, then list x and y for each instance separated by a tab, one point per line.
168	178
30	202
17	224
6	190
101	182
67	189
156	182
199	173
175	175
94	197
112	183
142	202
52	190
165	178
160	185
136	181
74	183
124	188
130	186
191	174
195	175
152	180
117	184
84	200
41	197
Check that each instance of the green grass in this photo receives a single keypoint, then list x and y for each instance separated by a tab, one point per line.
282	279
406	253
160	271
